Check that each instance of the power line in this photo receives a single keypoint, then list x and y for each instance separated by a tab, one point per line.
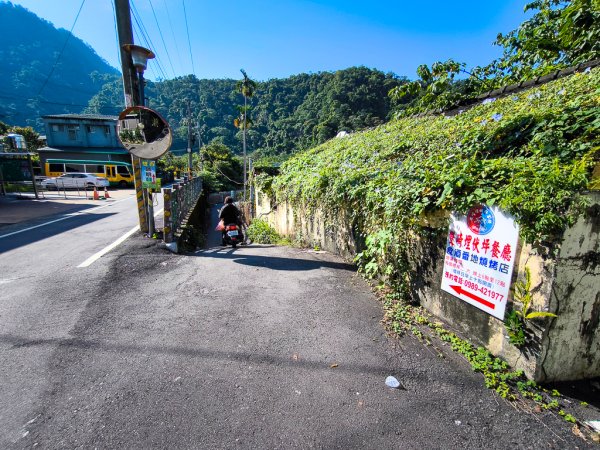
2	95
146	37
188	37
63	48
162	38
138	39
116	33
218	170
156	69
173	34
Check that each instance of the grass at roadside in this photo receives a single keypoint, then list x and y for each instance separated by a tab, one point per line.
402	318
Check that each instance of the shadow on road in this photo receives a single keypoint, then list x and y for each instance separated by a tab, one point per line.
273	262
85	344
12	238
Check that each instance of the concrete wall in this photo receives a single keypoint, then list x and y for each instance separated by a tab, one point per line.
565	348
572	344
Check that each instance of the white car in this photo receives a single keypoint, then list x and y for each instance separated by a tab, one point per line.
74	181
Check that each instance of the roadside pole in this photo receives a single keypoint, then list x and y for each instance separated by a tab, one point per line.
189	142
32	175
131	90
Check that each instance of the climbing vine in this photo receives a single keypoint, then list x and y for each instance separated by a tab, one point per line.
530	153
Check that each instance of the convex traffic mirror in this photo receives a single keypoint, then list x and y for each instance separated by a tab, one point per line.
144	133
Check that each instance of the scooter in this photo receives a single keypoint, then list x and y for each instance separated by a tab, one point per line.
232	235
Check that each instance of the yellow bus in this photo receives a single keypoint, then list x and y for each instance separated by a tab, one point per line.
118	173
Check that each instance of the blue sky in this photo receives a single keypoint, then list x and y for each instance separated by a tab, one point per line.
274	39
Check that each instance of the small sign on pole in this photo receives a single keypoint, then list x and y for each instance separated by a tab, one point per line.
148	174
479	259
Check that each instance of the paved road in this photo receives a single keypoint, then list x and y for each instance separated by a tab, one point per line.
258	347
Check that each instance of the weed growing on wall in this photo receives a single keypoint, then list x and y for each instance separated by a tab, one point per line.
530	153
402	318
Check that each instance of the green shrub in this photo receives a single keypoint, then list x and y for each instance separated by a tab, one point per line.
261	232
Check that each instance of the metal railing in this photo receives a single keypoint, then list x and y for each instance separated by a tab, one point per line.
179	202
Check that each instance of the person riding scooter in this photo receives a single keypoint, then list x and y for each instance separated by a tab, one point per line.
231	214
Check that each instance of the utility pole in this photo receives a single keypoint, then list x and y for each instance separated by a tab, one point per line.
199	144
244	146
189	142
130	79
131	90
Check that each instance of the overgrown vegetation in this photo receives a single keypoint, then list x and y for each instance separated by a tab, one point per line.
403	318
559	34
517	319
530	153
260	232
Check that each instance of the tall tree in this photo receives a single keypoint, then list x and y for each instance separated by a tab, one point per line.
246	87
560	33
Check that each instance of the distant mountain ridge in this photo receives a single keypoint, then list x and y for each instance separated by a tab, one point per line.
29	49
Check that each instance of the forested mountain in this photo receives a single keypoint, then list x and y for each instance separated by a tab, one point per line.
288	114
29	51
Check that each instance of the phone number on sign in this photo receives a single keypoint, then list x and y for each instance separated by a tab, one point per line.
485	291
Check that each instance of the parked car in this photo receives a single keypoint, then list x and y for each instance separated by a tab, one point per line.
74	181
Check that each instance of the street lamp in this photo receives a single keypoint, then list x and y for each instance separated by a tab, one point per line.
140	56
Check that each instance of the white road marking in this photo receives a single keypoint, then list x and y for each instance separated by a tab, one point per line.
68	216
95	257
107	249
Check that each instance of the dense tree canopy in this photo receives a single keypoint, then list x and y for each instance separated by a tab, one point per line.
288	114
559	34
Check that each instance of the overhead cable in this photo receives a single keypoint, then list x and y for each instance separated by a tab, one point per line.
146	37
162	38
188	37
173	34
116	33
63	48
56	103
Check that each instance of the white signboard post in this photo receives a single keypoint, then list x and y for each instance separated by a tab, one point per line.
479	259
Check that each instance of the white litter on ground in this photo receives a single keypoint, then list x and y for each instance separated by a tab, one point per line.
392	382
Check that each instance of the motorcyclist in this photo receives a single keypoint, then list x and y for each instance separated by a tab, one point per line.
231	214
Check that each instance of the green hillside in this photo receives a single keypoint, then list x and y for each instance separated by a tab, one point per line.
29	50
289	114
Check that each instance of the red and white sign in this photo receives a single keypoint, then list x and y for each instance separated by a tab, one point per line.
479	259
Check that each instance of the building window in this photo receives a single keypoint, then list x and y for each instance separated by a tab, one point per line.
53	167
93	168
90	128
74	167
122	170
72	129
58	128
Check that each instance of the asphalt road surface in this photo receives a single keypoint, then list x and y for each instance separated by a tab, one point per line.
257	347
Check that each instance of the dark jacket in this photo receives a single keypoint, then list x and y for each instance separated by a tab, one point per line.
230	214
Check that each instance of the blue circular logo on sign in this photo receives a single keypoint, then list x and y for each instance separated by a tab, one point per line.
481	219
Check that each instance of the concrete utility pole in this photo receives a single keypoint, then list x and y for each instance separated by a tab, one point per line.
199	145
189	143
130	79
244	145
131	89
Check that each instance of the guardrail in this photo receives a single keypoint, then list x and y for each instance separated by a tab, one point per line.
179	202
